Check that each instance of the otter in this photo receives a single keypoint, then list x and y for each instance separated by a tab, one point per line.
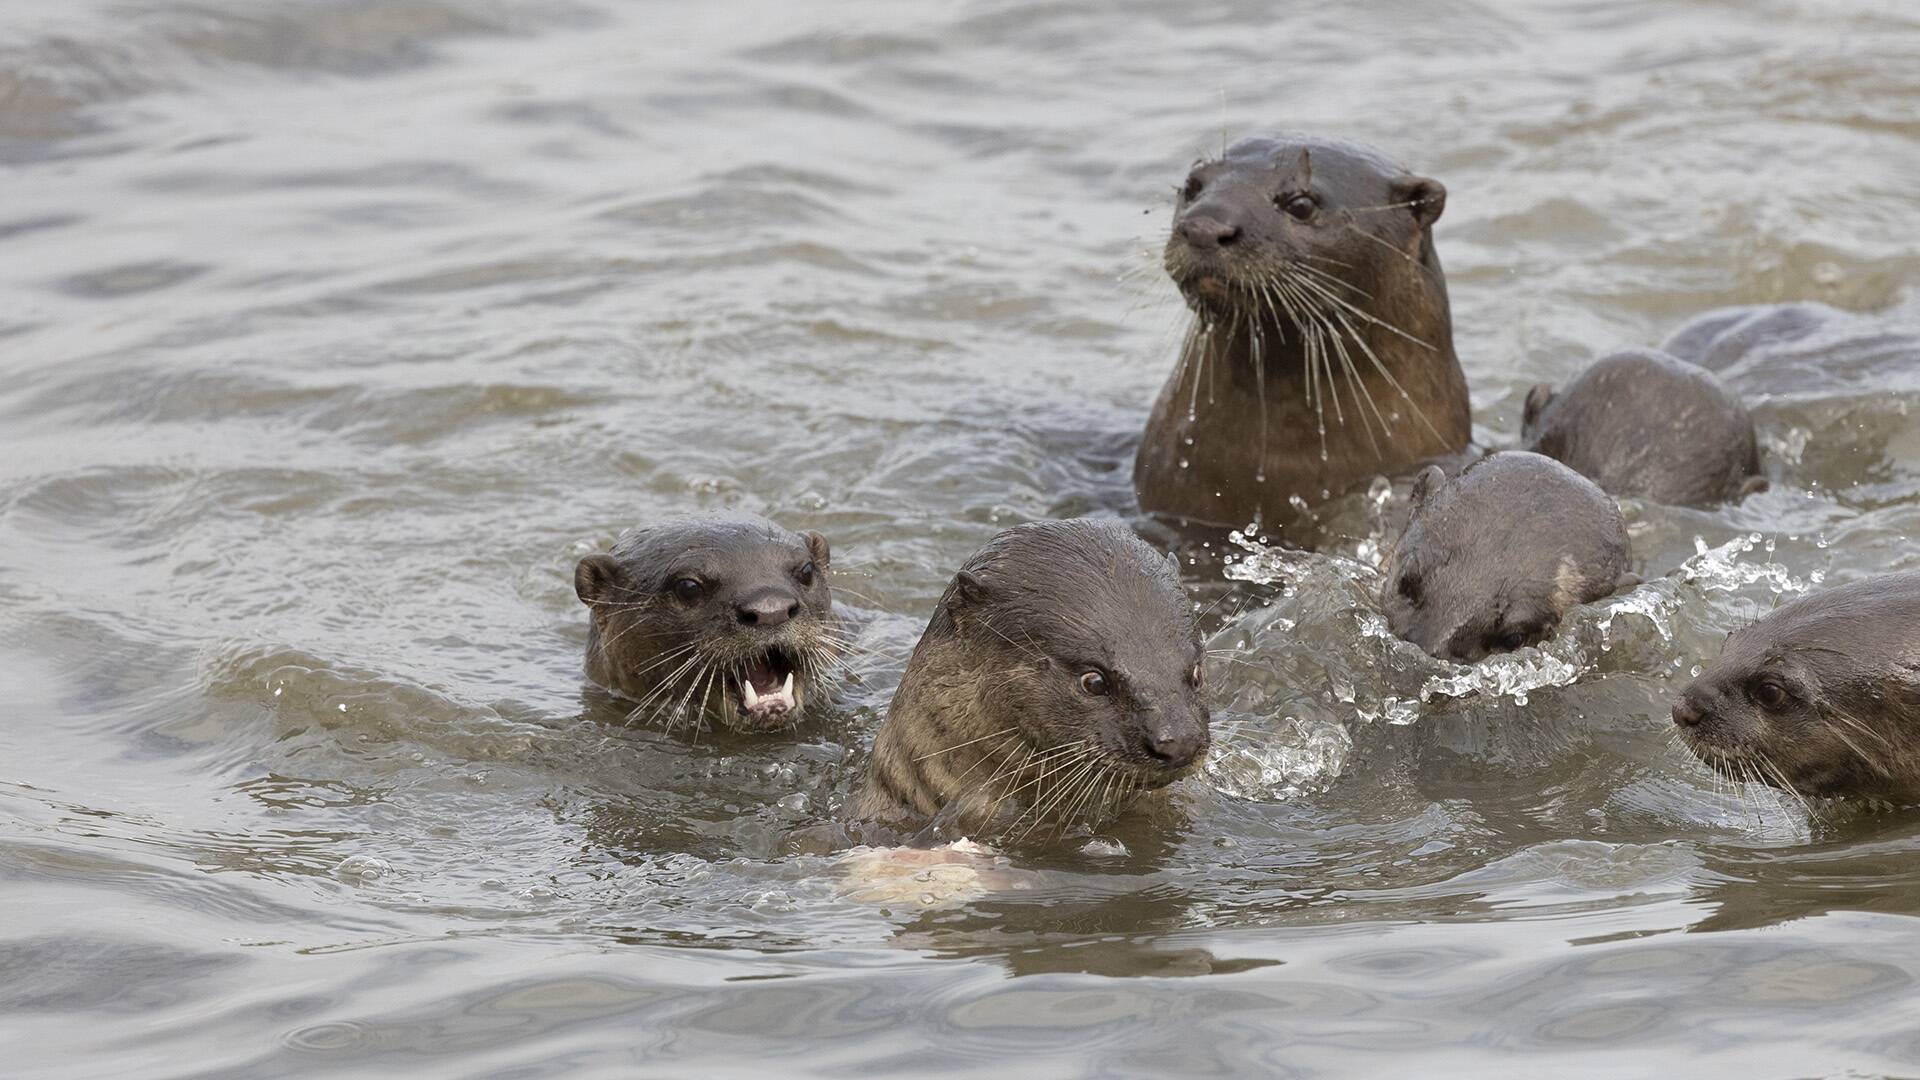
1651	426
1821	697
1059	679
1320	354
1493	559
723	616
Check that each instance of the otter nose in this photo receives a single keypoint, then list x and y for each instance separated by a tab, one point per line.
1171	746
1208	233
1686	714
767	609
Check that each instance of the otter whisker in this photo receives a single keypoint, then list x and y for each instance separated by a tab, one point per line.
665	684
1419	413
1356	384
1784	784
1041	806
1356	387
993	735
1403	255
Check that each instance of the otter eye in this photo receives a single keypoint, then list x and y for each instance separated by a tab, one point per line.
689	590
1770	694
1298	207
1095	683
1516	639
1191	190
1195	675
805	573
1409	587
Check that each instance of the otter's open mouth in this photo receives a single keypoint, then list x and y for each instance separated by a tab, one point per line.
765	687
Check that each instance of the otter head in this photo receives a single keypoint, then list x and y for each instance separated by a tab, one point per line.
1820	697
725	616
1094	653
1270	226
1471	576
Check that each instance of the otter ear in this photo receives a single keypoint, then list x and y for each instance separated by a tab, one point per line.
1425	197
968	591
1538	399
595	578
1173	564
821	552
1427	483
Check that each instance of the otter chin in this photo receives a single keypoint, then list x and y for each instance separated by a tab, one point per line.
1059	680
1821	697
1320	354
722	617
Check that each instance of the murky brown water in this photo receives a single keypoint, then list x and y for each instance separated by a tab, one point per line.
334	332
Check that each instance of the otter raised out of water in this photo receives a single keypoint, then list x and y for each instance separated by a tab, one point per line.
1493	559
1060	678
723	616
1321	350
1650	426
1821	697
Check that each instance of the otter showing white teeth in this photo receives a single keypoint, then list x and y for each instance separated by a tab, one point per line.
728	617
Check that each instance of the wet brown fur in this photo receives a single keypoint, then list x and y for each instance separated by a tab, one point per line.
992	733
1321	351
1847	661
681	662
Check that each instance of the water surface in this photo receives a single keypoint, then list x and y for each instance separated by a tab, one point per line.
333	333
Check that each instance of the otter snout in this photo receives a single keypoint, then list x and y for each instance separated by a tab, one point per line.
1687	715
1174	746
1208	232
767	609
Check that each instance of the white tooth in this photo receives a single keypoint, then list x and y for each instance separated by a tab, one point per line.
747	694
787	690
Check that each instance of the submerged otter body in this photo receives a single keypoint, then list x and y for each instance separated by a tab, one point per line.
1647	425
1321	351
1821	697
729	617
1060	677
1493	559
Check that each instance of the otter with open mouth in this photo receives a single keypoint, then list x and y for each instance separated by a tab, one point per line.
1060	678
1821	697
1321	350
729	617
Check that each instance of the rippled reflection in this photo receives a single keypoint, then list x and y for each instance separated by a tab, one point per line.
337	330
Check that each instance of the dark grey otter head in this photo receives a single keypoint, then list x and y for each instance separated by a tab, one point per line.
1291	222
1647	425
1095	642
728	616
1493	559
1821	697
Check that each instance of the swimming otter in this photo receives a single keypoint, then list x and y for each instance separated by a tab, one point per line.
1821	697
1493	559
1650	426
729	616
1321	349
1059	678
